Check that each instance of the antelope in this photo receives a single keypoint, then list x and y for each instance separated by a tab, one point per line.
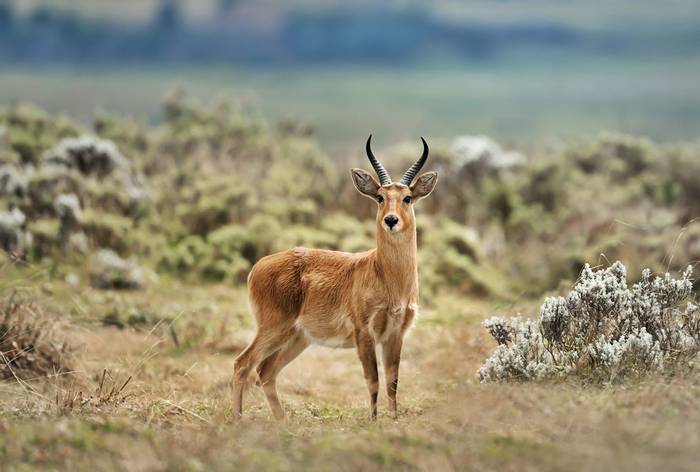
307	296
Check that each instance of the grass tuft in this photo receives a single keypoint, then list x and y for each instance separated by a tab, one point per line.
31	343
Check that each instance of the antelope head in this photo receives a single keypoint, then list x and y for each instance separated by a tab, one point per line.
395	200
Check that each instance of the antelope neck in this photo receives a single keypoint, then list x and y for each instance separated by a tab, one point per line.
396	260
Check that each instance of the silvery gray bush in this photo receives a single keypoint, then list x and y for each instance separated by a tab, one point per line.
110	271
13	182
88	154
93	156
67	207
602	328
12	234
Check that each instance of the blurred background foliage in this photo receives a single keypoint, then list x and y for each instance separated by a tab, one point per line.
213	188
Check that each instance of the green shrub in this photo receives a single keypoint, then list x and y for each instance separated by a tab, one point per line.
234	239
300	172
227	254
30	131
107	230
128	135
213	202
45	240
185	256
232	268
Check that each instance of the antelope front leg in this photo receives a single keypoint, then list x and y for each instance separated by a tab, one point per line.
368	356
391	352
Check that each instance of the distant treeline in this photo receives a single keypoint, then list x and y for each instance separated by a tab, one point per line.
349	34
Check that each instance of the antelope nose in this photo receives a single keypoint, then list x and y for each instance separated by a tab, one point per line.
391	220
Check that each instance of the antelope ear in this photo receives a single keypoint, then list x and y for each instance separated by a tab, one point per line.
365	183
424	185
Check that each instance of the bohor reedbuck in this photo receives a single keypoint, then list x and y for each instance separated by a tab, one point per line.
307	296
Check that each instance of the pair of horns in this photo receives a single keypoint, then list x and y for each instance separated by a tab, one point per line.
410	174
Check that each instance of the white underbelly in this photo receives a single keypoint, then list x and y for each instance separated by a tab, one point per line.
334	342
336	334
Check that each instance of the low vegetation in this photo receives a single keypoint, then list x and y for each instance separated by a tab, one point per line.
603	329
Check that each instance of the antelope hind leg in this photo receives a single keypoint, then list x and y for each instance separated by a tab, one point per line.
263	345
272	366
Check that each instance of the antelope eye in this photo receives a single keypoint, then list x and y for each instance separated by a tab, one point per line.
407	200
380	199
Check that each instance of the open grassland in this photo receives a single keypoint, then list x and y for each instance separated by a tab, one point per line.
174	413
573	97
126	304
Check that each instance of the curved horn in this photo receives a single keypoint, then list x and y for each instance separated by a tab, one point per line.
416	167
383	175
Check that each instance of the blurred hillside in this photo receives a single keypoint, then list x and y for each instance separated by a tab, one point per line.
273	33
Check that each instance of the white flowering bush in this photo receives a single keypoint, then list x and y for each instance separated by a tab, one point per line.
603	328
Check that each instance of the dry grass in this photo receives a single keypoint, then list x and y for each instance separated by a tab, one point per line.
109	391
138	401
31	344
